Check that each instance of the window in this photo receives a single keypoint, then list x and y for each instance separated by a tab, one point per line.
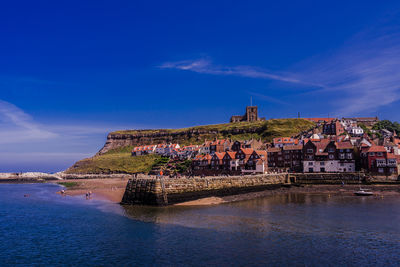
309	150
322	163
371	153
349	156
341	156
380	170
331	149
310	163
341	164
331	156
379	154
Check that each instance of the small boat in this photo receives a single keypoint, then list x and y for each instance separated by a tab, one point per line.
363	192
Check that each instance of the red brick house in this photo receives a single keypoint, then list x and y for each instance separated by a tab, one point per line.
220	146
285	141
333	128
274	157
377	160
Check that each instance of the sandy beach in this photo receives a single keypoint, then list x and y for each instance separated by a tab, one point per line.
110	189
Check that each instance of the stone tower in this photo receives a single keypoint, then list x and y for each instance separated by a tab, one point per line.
251	113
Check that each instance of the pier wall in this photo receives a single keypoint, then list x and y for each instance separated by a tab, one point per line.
166	191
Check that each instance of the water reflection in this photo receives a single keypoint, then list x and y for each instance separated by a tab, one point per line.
292	213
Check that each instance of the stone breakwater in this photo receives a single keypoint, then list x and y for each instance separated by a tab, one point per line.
27	177
166	191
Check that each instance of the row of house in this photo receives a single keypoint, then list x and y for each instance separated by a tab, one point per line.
161	149
245	160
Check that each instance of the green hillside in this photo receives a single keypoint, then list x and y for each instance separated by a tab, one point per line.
266	130
119	160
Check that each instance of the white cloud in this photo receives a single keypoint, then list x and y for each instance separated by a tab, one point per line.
207	67
17	126
362	77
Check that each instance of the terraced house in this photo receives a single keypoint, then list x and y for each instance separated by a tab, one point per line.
327	155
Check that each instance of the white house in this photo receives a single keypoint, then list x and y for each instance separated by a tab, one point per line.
356	131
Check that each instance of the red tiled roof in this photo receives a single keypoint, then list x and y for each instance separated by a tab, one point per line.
344	145
391	156
293	147
231	154
219	155
376	149
319	119
247	151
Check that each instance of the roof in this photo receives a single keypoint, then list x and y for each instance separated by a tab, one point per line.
293	147
261	152
219	142
285	140
207	157
320	119
274	149
219	155
231	154
344	145
391	156
247	151
376	149
363	118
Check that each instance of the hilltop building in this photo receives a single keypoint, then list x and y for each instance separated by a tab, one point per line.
250	115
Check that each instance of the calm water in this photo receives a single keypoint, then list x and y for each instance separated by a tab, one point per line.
292	229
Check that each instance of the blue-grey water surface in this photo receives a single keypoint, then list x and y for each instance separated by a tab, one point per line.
292	229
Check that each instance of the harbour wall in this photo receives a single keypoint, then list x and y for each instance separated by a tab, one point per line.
167	191
147	190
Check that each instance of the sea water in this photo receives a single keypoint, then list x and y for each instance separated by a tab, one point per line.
41	228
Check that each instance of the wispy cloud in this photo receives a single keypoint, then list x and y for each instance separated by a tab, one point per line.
18	126
207	67
361	77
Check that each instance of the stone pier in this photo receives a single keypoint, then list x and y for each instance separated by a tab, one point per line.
166	191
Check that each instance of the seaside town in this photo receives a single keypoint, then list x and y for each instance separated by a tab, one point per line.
333	145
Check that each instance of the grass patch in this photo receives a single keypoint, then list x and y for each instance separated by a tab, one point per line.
113	162
266	130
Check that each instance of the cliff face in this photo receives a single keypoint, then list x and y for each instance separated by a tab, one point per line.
194	136
265	130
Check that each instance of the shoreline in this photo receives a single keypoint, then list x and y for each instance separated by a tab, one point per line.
379	190
113	189
106	189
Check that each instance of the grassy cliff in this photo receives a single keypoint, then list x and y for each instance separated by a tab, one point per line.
114	161
117	158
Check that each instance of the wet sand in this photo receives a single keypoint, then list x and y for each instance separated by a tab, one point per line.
379	191
110	189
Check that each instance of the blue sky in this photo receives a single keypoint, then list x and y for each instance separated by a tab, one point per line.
71	71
